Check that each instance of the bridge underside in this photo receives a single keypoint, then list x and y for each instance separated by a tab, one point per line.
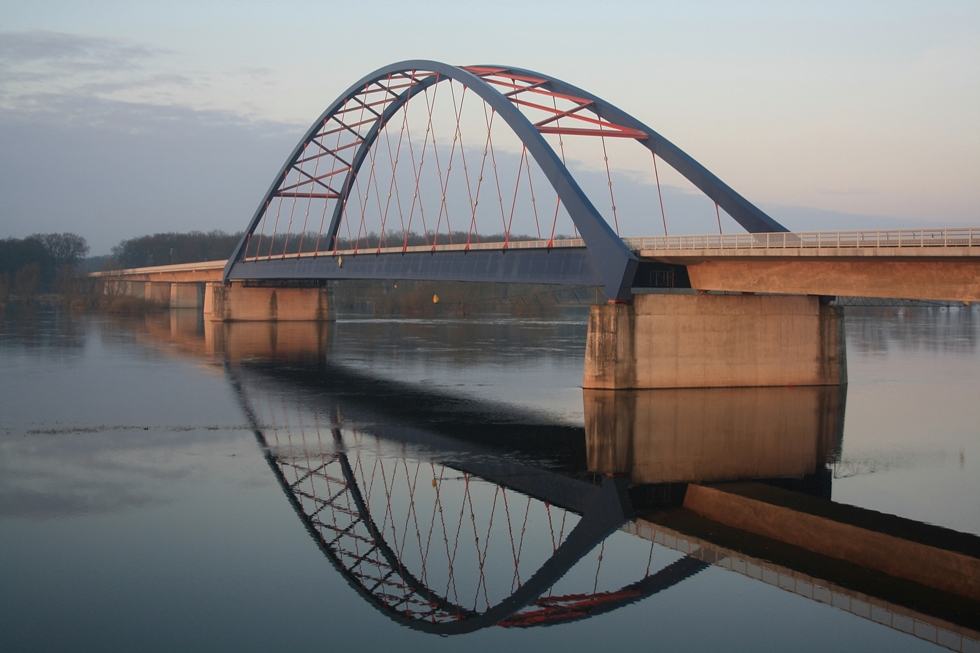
566	266
919	278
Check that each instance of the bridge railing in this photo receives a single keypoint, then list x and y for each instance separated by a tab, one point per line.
881	238
445	247
938	237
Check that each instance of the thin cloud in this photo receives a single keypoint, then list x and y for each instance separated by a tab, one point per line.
80	51
107	87
55	72
49	110
37	64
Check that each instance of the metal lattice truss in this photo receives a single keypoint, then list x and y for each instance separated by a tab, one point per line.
423	156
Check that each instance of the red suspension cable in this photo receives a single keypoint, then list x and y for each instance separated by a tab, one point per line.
513	205
657	175
612	198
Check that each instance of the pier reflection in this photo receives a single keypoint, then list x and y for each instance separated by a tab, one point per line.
189	332
670	436
280	341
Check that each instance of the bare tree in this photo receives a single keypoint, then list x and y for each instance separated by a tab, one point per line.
66	249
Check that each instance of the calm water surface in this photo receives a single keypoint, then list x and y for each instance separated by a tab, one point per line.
166	485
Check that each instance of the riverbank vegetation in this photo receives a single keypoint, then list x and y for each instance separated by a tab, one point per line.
53	268
40	266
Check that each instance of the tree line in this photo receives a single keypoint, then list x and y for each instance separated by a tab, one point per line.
39	263
54	263
172	248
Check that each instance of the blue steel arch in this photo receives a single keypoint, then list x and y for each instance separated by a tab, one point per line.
614	261
746	214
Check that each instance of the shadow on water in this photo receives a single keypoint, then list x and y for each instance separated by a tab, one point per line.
450	513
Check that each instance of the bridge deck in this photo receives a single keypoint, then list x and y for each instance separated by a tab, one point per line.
956	242
934	263
179	273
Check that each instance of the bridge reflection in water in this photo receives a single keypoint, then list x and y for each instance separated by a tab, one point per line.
451	514
669	436
444	535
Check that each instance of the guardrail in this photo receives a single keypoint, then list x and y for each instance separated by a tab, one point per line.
455	247
956	237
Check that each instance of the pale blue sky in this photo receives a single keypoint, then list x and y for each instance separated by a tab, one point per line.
118	119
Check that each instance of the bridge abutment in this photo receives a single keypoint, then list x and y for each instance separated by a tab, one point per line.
239	303
709	341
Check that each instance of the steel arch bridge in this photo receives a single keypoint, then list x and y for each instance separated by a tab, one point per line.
422	554
360	197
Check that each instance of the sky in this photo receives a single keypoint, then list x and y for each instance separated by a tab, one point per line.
119	119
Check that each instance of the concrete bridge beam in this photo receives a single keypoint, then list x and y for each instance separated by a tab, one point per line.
912	278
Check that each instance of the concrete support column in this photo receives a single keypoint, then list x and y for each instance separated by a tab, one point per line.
704	341
158	292
187	295
235	302
131	289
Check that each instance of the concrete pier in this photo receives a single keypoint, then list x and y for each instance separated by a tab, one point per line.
237	302
705	340
123	287
164	294
158	293
187	295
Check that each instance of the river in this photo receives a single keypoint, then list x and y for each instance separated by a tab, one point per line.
432	484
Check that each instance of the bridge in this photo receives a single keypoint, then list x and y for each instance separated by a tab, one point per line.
426	171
